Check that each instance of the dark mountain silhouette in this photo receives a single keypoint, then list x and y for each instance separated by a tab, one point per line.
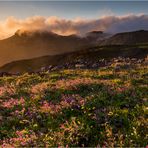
46	48
29	45
87	56
96	36
127	38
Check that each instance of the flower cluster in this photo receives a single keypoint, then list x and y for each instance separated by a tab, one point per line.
10	103
104	107
67	101
23	138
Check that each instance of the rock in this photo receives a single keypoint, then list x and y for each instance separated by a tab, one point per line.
133	60
95	65
43	68
50	67
79	66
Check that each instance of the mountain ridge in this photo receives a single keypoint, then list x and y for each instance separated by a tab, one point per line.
24	46
127	38
69	60
34	45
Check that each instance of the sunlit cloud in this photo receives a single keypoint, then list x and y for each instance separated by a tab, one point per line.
109	24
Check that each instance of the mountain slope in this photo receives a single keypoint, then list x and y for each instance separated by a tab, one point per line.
127	38
87	56
30	45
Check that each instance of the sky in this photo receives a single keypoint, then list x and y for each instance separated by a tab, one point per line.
72	17
71	9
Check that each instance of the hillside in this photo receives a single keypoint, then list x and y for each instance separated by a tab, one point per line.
102	107
87	57
127	38
30	45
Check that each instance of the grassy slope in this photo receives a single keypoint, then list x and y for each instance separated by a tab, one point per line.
75	108
91	54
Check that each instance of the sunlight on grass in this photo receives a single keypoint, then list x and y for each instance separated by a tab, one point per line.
75	108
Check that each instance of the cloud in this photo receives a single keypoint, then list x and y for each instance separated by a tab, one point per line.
110	24
129	23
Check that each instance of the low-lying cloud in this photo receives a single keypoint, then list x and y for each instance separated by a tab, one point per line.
109	24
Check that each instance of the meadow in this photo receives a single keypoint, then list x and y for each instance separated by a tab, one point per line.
100	107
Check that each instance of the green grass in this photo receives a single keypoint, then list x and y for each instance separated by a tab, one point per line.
75	108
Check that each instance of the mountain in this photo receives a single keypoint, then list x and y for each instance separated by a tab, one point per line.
96	36
87	56
57	48
127	38
28	45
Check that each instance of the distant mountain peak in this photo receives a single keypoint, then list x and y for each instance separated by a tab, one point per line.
30	44
132	32
97	36
34	33
128	38
94	33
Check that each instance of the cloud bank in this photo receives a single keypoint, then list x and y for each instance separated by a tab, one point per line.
109	24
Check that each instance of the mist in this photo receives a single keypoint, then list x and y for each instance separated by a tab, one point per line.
108	24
